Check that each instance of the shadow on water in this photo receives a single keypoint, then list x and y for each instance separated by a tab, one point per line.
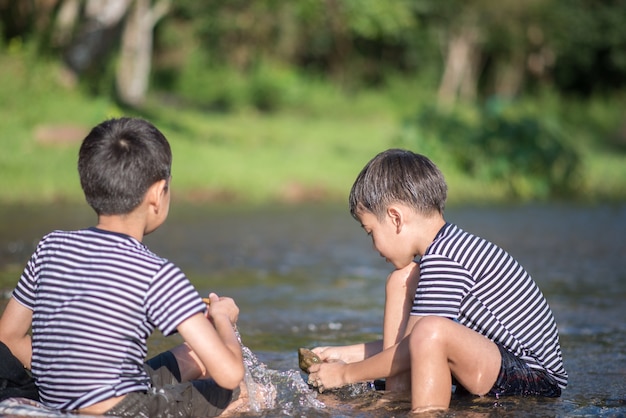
307	276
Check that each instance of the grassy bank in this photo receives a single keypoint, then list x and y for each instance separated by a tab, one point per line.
309	151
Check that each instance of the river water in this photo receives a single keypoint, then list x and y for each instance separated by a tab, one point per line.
307	275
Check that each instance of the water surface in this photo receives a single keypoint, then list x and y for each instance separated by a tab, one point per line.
307	276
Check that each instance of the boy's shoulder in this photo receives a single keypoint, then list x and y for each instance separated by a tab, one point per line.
452	239
449	232
58	235
111	248
95	239
85	234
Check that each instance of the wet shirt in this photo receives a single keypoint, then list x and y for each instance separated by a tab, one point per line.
473	281
96	297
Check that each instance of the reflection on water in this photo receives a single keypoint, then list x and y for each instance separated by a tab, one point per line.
306	276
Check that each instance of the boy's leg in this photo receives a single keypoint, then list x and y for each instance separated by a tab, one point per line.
176	400
163	369
172	374
399	294
516	378
441	348
189	364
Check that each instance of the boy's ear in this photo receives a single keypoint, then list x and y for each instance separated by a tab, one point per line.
396	217
156	192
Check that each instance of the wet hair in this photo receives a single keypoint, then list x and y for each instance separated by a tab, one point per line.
119	160
398	176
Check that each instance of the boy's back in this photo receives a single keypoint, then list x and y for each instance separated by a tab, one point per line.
469	279
96	296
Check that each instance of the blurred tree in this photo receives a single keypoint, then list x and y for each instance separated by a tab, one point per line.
133	70
488	46
330	37
99	26
16	18
89	32
460	27
478	47
589	43
95	32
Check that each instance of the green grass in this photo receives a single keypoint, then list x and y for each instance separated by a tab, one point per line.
312	149
274	157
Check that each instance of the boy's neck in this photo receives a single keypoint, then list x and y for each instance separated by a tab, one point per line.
145	218
128	224
428	229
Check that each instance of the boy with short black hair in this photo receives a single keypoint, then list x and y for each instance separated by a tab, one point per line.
477	320
94	296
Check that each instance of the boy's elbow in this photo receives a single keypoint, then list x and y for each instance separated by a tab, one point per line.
233	378
239	375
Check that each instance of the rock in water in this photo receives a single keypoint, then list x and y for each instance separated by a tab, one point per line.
307	358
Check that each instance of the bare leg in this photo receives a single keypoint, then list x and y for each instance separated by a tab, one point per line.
189	364
191	368
399	294
441	348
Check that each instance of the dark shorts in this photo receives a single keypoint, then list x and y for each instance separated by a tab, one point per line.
516	378
168	397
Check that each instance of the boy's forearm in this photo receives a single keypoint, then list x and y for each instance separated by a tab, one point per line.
350	353
216	347
227	333
386	363
372	348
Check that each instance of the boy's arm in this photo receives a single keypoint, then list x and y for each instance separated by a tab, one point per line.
216	345
399	294
14	327
349	353
389	362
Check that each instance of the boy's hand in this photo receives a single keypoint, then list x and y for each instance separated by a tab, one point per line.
339	353
222	306
327	353
327	375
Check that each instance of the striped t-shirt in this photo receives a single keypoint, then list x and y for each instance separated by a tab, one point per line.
471	280
96	297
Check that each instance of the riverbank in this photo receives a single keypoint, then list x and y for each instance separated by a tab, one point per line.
311	151
254	159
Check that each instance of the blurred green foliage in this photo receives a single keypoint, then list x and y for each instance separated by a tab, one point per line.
530	156
575	46
281	89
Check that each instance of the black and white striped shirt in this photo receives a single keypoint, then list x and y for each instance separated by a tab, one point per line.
473	281
96	297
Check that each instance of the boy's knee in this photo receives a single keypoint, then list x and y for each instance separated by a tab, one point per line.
401	278
428	331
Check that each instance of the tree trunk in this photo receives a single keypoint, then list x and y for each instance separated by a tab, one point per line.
65	21
342	45
133	73
460	76
97	34
510	75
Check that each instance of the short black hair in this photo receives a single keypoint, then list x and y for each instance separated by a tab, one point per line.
119	160
398	176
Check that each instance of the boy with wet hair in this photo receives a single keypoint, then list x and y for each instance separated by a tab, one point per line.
477	319
93	297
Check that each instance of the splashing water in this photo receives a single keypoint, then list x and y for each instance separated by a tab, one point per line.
269	389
